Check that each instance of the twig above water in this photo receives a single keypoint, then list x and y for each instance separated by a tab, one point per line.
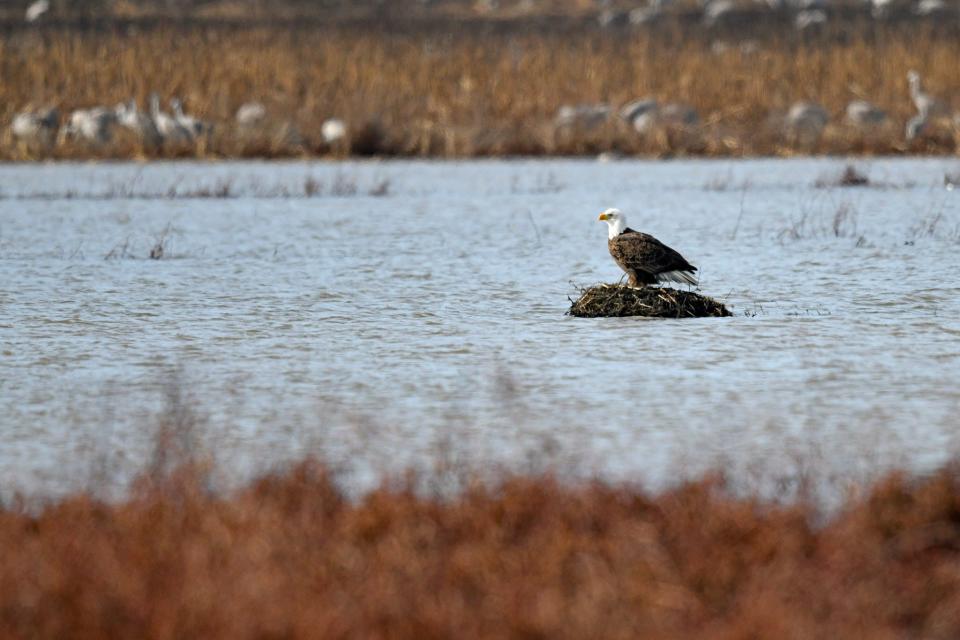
535	228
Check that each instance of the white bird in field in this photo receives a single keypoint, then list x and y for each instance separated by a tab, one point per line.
881	9
810	19
91	125
934	9
719	12
333	130
141	124
195	126
915	127
807	120
170	130
927	105
35	127
861	113
646	115
36	10
250	114
641	114
586	116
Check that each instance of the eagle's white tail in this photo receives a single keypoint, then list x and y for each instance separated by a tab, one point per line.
683	277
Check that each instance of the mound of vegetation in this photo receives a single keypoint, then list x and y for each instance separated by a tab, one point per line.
615	301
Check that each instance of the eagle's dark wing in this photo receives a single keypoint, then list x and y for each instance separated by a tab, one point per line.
635	251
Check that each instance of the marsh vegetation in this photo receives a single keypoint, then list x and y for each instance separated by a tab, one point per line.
291	554
475	92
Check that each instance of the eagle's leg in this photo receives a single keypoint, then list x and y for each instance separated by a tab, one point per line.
633	281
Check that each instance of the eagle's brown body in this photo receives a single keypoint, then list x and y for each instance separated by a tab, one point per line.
646	260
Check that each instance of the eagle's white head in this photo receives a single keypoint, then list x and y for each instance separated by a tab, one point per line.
616	222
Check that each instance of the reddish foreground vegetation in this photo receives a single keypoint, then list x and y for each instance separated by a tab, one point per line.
289	557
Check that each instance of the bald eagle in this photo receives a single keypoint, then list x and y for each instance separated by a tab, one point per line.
642	257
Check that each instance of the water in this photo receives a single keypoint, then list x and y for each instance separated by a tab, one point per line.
411	312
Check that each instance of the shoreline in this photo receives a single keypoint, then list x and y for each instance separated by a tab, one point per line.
441	160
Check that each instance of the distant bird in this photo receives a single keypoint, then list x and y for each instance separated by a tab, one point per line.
881	9
927	106
35	127
36	10
195	126
584	116
934	9
731	13
810	19
91	125
141	124
250	114
646	115
678	114
642	257
915	127
719	12
645	16
170	130
333	130
641	114
861	113
807	120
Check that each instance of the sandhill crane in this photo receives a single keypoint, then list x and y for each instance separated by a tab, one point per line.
640	114
170	130
678	114
35	127
250	114
719	12
861	113
36	10
141	124
934	9
195	126
645	16
882	9
915	127
646	115
806	121
333	130
586	116
92	125
730	13
927	106
810	19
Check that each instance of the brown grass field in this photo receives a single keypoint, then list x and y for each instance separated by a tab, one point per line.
463	92
289	557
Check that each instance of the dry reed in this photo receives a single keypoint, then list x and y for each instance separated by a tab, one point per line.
290	557
471	93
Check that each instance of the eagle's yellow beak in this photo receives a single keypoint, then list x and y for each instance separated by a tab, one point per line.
603	216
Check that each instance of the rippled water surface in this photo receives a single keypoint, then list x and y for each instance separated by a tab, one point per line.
411	308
